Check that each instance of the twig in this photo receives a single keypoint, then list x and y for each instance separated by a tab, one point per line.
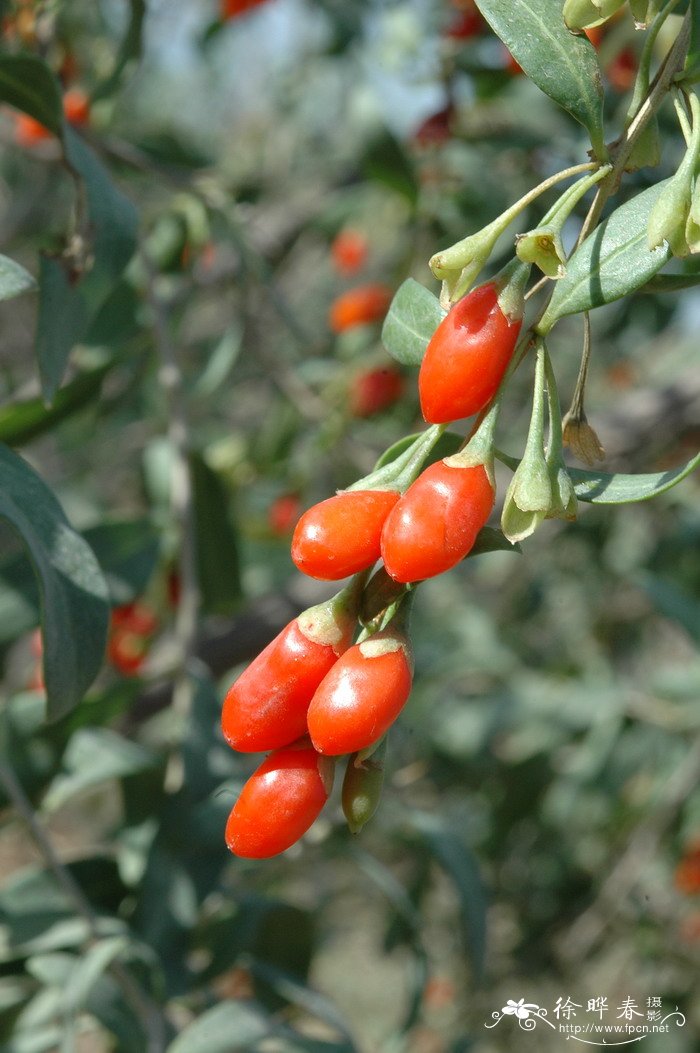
144	1008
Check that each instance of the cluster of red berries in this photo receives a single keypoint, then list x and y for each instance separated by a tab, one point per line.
131	629
313	695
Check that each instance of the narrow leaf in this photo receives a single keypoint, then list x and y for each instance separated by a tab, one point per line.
668	283
603	488
413	317
229	1027
217	543
21	422
131	48
612	262
563	65
28	84
68	306
14	279
74	610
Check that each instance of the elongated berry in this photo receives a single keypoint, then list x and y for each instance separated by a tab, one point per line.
362	695
279	803
435	523
360	306
341	535
467	356
266	706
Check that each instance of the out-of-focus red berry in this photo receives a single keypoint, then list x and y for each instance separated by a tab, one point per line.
136	617
360	306
374	390
76	107
687	875
233	8
467	24
436	129
622	71
349	251
510	64
29	131
173	587
283	514
126	650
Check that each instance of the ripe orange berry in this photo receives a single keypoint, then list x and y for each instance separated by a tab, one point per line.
341	535
29	131
362	695
279	803
467	24
266	706
360	306
467	356
374	390
435	524
76	106
137	617
349	251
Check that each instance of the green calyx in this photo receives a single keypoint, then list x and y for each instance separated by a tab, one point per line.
564	504
332	623
692	227
543	246
669	216
585	14
529	495
644	11
458	266
400	473
362	785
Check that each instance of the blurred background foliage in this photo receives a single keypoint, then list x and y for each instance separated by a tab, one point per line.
536	834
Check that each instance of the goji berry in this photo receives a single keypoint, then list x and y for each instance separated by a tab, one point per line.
468	23
687	876
374	390
233	8
362	695
349	251
76	106
278	803
467	356
137	617
341	535
622	71
435	524
126	650
435	129
283	513
360	306
266	706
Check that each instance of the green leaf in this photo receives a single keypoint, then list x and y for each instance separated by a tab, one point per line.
131	48
448	443
413	317
74	597
693	61
457	860
562	65
93	756
88	969
612	262
67	307
619	489
490	539
14	279
21	422
217	543
603	488
668	283
127	551
28	84
229	1027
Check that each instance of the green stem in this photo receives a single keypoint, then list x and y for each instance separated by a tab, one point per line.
641	84
562	209
400	473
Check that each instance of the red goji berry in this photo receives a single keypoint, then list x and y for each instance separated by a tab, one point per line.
349	251
467	356
435	524
278	803
137	617
283	513
687	875
468	24
374	390
622	71
362	695
341	535
360	306
76	106
435	129
266	706
233	8
126	650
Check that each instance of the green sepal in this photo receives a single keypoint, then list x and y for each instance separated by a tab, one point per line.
362	787
585	14
543	247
